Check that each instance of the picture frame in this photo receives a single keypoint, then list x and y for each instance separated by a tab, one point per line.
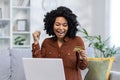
0	12
21	24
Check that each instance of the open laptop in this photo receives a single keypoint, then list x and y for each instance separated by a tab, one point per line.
43	69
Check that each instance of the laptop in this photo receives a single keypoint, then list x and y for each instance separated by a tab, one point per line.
43	69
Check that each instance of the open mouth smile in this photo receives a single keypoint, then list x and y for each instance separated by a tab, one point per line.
61	32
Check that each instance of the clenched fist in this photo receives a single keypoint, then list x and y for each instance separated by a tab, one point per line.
36	36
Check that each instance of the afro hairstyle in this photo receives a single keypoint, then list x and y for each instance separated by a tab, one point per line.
61	12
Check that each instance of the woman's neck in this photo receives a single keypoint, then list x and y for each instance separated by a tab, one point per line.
60	42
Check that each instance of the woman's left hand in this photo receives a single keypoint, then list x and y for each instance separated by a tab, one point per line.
82	55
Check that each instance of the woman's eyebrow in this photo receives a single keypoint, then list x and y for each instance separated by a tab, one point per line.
61	23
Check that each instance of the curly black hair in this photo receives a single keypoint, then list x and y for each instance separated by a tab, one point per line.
61	12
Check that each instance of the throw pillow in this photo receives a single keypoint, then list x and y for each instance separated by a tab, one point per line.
99	68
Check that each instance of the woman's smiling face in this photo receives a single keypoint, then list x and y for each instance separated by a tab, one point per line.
60	27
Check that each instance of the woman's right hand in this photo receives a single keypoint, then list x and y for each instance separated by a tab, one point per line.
36	36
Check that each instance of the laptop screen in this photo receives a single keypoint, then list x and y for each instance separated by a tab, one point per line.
43	69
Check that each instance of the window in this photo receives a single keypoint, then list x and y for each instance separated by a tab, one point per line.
115	22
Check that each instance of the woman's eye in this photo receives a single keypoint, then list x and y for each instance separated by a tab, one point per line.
61	24
65	25
57	24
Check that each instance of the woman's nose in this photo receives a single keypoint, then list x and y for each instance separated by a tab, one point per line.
61	27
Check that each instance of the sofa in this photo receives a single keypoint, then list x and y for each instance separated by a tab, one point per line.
11	66
115	71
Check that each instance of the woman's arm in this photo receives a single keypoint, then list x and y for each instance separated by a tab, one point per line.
82	59
81	55
36	52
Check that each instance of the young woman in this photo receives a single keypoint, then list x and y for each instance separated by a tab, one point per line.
61	24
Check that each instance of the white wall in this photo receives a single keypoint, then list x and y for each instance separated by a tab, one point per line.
100	18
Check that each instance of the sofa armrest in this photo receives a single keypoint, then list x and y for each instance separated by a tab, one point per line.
114	75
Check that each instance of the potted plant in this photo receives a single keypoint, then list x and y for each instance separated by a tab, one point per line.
19	40
100	46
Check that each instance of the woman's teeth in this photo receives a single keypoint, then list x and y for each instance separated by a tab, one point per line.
61	32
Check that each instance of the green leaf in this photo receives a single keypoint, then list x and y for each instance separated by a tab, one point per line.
99	44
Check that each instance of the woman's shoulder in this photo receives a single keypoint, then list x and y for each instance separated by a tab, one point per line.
78	38
49	39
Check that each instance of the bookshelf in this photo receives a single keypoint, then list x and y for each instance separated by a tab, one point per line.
15	29
4	24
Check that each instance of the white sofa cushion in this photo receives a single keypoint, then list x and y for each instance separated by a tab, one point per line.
114	75
5	65
116	63
17	64
84	72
